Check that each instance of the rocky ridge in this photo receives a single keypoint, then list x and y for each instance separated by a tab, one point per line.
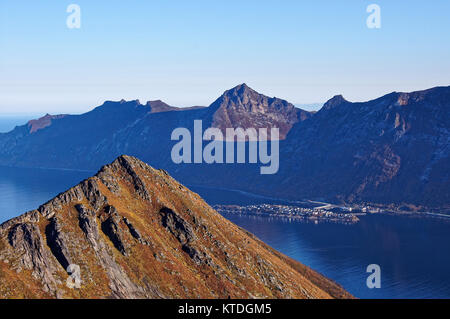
137	233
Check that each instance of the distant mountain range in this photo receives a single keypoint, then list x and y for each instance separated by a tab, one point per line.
391	150
134	232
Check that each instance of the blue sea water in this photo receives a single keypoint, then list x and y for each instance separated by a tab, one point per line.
9	122
24	189
412	253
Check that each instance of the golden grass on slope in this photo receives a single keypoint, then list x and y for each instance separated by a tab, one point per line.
229	262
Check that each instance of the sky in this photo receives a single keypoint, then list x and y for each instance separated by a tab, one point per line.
189	52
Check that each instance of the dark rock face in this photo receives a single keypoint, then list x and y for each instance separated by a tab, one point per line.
167	244
88	223
120	284
133	231
139	186
112	229
394	149
185	234
176	225
57	241
92	193
29	246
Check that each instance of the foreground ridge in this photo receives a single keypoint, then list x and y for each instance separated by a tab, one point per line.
135	232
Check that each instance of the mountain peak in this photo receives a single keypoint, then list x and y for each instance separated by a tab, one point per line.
242	86
135	232
334	101
244	107
126	162
241	90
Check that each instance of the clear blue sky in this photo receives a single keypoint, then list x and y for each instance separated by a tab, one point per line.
189	52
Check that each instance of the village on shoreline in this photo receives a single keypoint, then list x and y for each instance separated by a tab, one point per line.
318	212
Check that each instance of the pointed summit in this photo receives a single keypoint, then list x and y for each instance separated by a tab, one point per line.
242	86
241	89
334	101
244	107
243	92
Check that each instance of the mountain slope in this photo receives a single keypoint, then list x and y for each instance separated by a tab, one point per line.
391	150
137	233
394	149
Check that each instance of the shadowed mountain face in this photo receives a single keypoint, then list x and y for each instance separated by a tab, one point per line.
135	232
394	149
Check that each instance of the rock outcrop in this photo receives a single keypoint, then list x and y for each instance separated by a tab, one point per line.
245	108
134	232
43	122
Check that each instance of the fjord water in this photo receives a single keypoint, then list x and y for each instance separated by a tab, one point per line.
24	189
412	253
8	123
